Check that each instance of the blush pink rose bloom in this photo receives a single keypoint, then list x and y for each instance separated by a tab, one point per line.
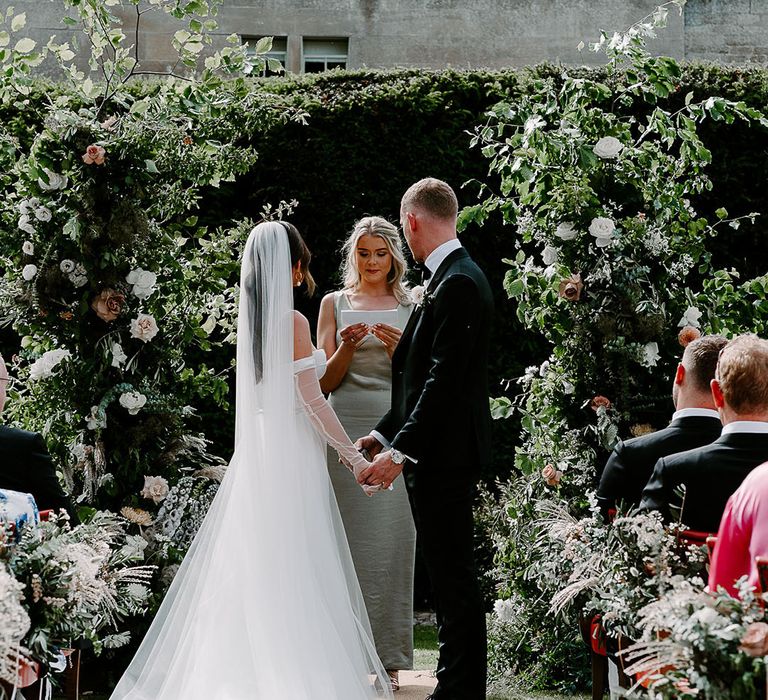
155	488
755	640
551	475
144	327
108	304
94	155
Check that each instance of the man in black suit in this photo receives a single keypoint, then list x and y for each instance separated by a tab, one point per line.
25	464
710	474
695	422
438	429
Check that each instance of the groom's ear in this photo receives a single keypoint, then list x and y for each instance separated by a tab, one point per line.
413	222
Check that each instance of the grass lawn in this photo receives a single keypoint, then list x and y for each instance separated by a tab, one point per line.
425	659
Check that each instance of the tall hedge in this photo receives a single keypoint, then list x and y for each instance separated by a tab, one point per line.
369	134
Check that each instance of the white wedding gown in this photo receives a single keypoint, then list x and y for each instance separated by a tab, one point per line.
266	605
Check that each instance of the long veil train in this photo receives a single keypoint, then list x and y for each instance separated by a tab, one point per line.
266	605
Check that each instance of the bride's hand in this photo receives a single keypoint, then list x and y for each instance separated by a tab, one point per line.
388	335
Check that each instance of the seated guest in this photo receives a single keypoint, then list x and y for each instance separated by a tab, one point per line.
695	422
743	534
710	474
25	464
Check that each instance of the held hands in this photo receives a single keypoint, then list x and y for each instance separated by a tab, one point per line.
382	472
370	444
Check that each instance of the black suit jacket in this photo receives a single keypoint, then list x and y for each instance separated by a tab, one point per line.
631	463
26	466
440	408
710	475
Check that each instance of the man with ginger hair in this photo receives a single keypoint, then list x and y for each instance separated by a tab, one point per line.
695	423
710	474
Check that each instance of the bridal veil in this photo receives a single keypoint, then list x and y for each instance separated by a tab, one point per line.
266	605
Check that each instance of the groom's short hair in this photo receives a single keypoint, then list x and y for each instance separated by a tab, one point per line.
700	360
742	372
432	196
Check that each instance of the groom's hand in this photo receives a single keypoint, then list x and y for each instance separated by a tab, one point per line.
370	444
382	472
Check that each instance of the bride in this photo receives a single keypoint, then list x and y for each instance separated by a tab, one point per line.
266	605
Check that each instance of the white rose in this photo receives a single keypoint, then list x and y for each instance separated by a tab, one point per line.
132	401
143	282
43	214
608	147
29	272
118	355
602	229
28	248
78	276
650	354
566	231
504	610
144	327
95	421
24	224
43	367
67	266
155	488
690	317
549	255
55	181
417	295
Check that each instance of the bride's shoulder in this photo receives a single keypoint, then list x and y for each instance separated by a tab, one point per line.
302	338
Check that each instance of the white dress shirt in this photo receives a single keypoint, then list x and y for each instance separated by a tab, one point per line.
695	413
436	257
746	426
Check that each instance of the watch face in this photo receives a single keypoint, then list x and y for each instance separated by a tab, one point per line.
398	457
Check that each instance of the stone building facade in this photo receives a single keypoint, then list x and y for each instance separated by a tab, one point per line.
312	35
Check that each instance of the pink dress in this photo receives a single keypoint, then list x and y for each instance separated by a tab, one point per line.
743	533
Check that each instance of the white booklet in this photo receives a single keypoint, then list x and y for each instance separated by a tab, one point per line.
350	317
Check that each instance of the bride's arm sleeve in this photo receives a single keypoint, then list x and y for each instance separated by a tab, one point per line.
327	423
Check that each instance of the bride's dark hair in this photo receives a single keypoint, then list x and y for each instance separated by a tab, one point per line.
255	287
300	252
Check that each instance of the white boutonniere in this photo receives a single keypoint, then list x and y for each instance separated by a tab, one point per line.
419	295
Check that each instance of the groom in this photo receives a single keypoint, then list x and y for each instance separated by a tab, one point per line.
437	431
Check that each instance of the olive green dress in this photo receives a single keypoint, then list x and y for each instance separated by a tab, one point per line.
380	529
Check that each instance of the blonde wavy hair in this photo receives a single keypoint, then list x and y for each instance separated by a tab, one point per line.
376	226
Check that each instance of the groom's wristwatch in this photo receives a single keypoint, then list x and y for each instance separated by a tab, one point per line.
397	456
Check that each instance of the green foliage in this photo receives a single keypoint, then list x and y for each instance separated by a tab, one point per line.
115	287
599	178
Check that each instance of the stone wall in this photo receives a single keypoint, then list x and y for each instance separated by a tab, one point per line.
456	33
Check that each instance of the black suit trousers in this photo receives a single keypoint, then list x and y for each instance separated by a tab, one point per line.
442	509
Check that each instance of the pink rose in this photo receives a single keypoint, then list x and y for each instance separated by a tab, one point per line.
755	640
600	402
551	475
108	304
570	288
94	154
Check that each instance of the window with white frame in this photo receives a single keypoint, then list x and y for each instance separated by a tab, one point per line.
278	52
319	54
